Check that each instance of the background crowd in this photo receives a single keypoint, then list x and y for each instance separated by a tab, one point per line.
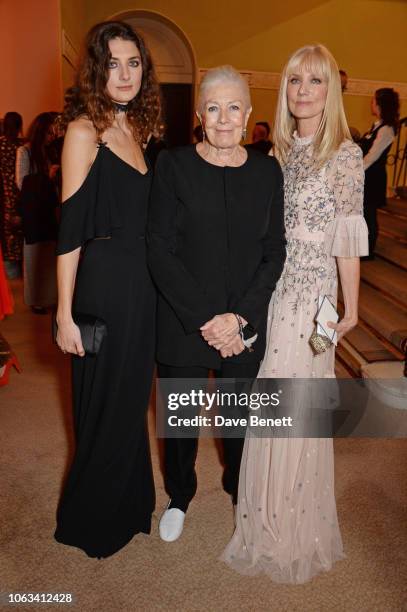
285	218
30	184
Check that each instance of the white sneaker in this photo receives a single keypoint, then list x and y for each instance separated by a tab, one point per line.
171	524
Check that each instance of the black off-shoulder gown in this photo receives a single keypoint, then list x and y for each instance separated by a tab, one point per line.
109	494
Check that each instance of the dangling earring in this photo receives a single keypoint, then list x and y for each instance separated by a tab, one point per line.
244	133
203	133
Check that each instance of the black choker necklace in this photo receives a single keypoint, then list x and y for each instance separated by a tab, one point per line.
121	108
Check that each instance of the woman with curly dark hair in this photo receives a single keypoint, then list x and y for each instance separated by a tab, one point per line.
376	145
113	107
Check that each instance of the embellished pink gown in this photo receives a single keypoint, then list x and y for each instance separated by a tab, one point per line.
286	520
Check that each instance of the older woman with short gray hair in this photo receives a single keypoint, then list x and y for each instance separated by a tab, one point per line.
216	250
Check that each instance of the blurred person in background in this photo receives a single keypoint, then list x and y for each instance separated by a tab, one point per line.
260	138
376	144
344	80
54	151
344	86
11	235
38	203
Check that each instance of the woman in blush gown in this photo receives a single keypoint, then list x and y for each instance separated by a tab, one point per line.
286	519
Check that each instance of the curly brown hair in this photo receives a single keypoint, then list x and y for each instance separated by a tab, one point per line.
88	96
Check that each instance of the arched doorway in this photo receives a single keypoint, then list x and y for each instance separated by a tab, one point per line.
176	69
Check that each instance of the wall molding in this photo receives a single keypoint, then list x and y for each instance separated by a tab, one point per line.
362	87
264	80
356	87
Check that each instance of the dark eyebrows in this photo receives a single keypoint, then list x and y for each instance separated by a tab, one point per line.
129	58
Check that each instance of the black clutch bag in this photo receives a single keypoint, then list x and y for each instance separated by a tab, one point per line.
92	329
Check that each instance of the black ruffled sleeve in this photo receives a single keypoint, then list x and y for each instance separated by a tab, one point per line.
91	212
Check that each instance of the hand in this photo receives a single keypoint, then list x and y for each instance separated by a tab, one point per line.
220	330
344	326
69	338
235	347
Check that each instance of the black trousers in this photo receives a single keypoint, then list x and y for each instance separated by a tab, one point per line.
180	453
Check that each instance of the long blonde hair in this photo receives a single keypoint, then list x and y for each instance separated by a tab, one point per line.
333	128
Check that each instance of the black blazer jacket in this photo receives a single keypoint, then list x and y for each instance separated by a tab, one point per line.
215	245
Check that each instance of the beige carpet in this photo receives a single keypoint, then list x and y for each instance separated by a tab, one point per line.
150	575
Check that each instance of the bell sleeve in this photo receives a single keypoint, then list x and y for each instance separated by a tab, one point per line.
347	234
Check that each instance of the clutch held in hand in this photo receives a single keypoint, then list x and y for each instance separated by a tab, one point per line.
326	312
92	329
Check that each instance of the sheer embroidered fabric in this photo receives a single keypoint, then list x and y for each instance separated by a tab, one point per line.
286	519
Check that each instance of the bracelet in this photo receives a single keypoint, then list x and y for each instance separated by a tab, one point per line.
248	342
239	321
